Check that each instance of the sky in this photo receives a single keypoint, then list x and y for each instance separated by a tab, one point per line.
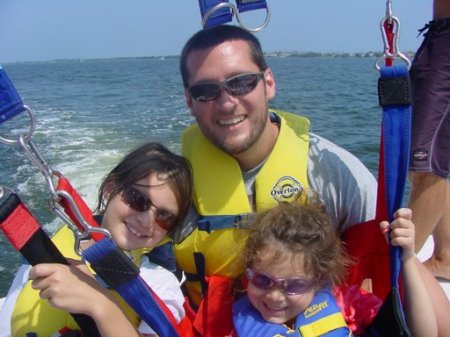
39	30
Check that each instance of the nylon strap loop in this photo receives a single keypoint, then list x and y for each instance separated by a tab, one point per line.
390	35
217	12
248	5
10	102
17	223
131	286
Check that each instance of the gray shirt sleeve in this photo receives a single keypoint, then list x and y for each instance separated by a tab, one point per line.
344	184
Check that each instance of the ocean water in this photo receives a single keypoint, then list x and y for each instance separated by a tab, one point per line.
90	112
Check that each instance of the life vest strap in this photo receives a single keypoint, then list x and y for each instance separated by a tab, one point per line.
323	325
211	223
164	256
200	266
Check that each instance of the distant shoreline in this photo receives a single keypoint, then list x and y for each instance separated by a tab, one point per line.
369	54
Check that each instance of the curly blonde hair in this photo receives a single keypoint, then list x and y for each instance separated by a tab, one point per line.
305	232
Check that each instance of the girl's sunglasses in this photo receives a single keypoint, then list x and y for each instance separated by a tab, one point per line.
290	286
141	203
237	85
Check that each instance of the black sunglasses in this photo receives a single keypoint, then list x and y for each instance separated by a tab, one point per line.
141	203
237	85
291	285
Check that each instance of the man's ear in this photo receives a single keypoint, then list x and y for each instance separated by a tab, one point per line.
188	98
270	84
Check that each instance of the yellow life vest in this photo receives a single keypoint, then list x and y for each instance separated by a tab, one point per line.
219	190
32	314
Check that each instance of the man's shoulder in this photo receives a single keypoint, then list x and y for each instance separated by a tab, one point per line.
344	183
323	151
318	143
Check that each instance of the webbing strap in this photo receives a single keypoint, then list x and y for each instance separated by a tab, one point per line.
119	273
10	102
64	185
248	5
395	99
220	16
27	236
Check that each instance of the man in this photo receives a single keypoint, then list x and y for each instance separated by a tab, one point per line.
246	158
241	163
430	150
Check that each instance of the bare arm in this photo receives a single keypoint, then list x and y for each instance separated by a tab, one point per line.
73	289
441	9
420	314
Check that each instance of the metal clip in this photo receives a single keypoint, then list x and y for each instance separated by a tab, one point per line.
391	51
80	234
28	134
234	12
32	153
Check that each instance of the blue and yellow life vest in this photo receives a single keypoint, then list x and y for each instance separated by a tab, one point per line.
321	318
214	247
32	314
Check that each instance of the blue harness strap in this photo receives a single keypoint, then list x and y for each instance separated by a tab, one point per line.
395	99
10	102
248	5
221	15
118	272
218	12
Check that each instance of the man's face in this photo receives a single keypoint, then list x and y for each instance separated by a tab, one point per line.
232	123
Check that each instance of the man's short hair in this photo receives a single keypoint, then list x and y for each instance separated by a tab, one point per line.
210	37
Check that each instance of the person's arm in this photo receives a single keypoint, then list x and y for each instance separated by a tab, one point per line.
419	310
73	289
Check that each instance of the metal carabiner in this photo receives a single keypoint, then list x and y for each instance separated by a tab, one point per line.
80	234
28	134
390	51
257	29
33	154
388	8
